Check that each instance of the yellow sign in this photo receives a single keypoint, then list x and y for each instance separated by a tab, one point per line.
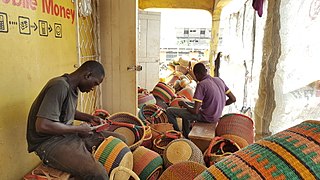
45	18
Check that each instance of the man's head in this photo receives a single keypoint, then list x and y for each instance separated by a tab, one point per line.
199	70
91	74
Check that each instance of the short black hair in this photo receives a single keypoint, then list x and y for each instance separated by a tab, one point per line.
199	68
92	66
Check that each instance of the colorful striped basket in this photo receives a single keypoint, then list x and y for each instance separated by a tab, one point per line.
186	170
164	92
147	164
186	92
145	99
132	128
113	152
152	114
180	150
175	101
236	127
290	154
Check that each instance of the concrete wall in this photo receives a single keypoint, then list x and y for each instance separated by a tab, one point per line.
282	86
29	56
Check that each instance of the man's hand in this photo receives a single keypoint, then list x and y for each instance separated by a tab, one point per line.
95	120
84	130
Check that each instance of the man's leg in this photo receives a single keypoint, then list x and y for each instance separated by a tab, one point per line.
187	117
70	154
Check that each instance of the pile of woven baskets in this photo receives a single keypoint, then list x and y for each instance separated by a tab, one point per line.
290	154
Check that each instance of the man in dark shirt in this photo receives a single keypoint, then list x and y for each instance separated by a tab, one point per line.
209	100
51	133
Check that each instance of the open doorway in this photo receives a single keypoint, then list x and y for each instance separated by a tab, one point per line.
167	35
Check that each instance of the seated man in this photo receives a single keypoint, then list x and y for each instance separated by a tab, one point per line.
51	133
209	100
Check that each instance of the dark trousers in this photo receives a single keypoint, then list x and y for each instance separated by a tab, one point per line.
72	154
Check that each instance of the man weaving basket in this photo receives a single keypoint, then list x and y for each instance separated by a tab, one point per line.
51	133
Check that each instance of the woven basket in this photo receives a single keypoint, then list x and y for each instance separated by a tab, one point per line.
180	150
159	129
145	99
186	170
134	134
113	152
161	142
152	114
103	114
164	92
172	80
147	141
218	149
290	154
237	125
147	163
187	93
175	101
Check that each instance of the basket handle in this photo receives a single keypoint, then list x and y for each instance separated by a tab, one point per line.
121	168
212	142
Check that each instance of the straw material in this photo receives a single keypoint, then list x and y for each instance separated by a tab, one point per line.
175	101
186	92
180	150
147	163
103	114
239	140
119	172
152	114
290	154
160	129
238	125
134	129
43	172
164	92
218	149
186	170
112	153
160	142
147	141
145	99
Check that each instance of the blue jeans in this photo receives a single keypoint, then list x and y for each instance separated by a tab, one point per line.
187	117
72	154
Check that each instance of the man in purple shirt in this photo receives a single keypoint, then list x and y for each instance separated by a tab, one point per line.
209	101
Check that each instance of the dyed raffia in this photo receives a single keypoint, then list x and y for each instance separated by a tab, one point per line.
290	154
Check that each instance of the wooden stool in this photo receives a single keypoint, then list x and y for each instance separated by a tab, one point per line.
202	133
45	172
